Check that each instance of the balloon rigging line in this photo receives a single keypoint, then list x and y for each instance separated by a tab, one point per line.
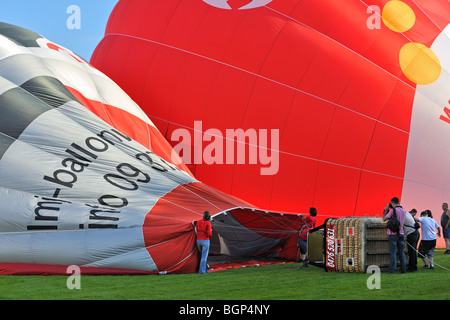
343	46
304	92
323	161
324	35
423	257
356	53
220	209
429	18
256	210
182	260
221	195
320	160
285	85
263	77
285	153
406	37
75	121
426	14
296	89
403	34
180	206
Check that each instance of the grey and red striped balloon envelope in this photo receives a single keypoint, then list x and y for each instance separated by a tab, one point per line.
86	179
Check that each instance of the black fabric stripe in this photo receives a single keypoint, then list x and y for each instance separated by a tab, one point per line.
48	89
42	228
18	109
19	35
5	142
22	105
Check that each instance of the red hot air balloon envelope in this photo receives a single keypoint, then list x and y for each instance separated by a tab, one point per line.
86	178
358	91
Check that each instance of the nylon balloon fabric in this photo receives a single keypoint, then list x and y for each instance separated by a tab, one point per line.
358	91
86	179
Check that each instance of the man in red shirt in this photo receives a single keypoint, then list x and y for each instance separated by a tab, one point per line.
310	223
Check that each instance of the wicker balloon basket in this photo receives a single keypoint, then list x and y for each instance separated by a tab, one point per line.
352	244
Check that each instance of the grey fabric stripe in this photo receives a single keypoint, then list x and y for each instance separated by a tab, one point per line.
5	143
19	68
48	89
18	109
21	105
19	35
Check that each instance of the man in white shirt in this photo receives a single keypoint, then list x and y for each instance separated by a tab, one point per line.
428	242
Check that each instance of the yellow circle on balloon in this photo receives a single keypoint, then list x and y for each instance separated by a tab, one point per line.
398	16
419	63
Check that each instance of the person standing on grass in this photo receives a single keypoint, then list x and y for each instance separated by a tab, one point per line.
428	242
204	233
302	242
396	239
445	224
412	234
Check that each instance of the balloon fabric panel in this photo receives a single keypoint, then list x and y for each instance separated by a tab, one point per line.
346	95
86	179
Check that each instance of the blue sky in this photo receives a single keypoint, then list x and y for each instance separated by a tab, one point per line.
49	18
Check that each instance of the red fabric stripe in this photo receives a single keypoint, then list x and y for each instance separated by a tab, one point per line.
47	269
132	126
169	234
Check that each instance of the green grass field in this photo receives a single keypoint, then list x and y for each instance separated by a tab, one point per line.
274	282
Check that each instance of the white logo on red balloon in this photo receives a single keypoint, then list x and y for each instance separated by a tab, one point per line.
224	4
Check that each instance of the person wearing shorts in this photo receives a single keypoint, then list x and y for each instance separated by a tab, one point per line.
428	242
